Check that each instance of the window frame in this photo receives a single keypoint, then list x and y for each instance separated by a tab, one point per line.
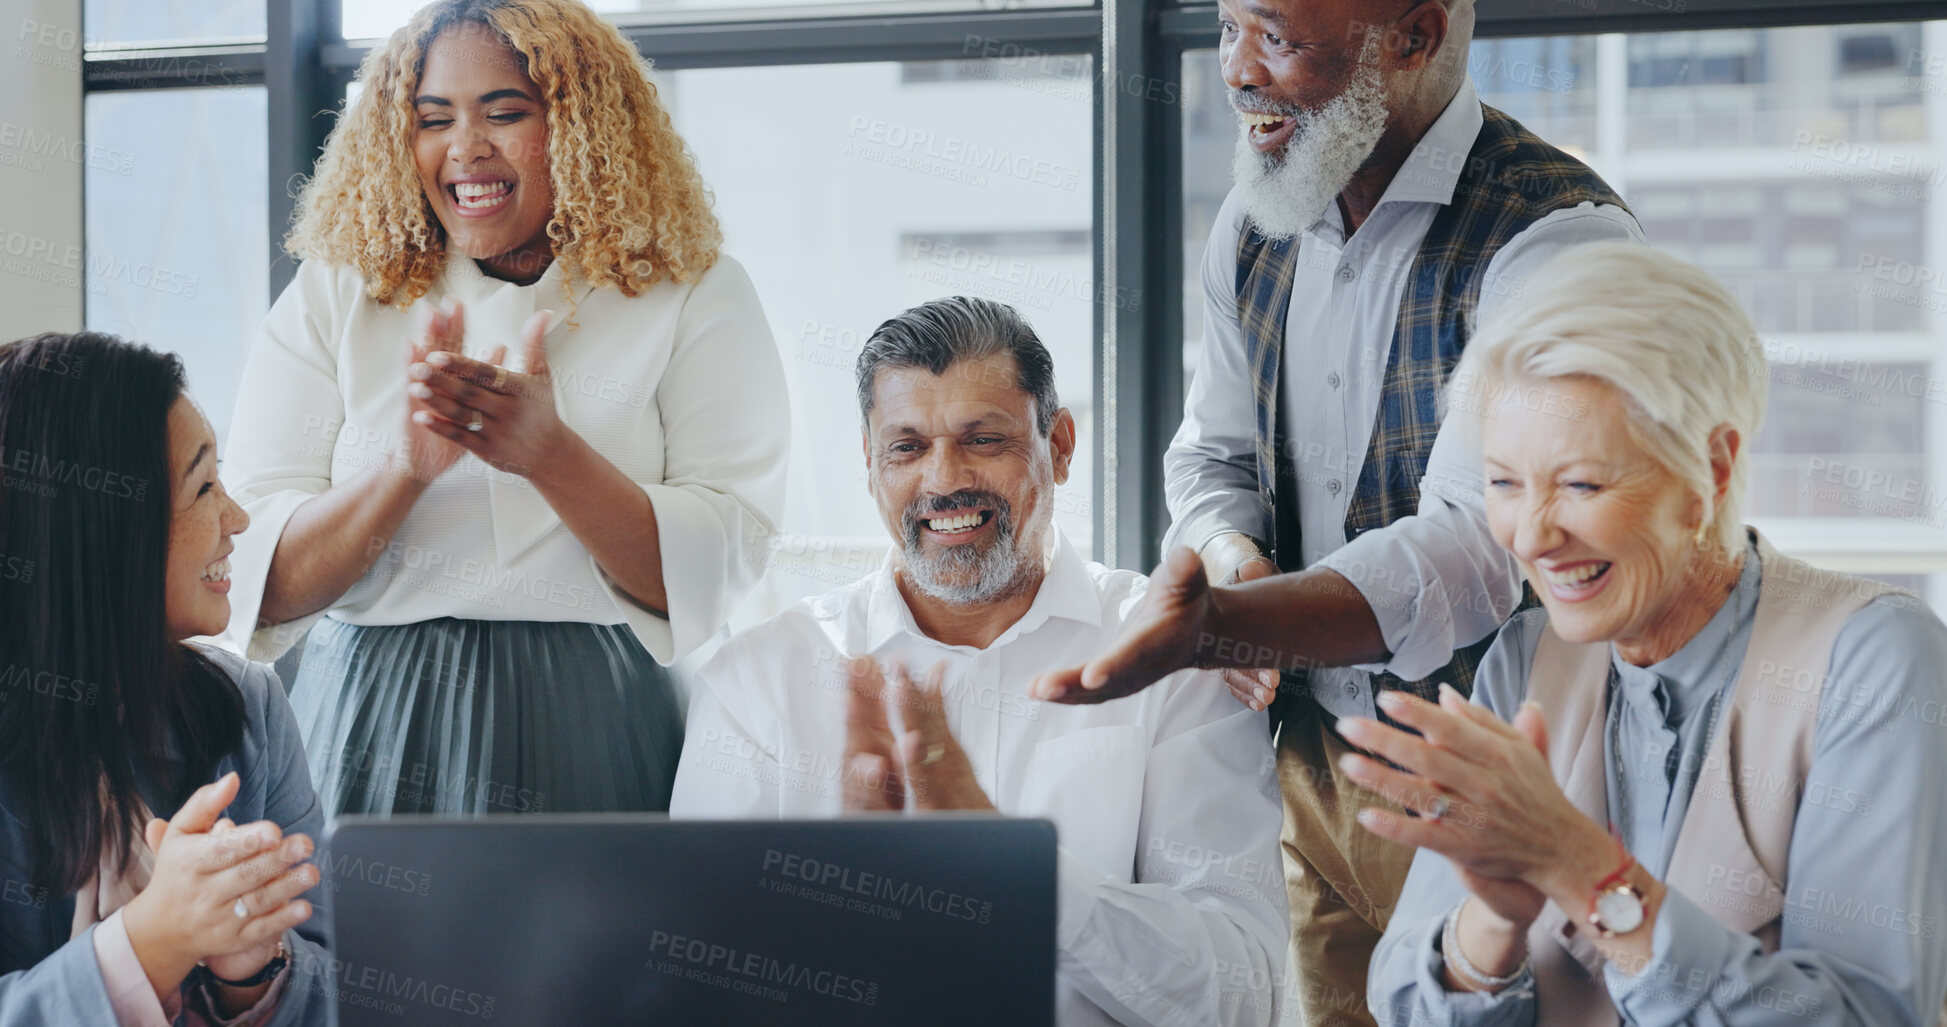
1137	47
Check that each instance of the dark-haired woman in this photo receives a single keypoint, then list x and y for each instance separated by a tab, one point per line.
129	757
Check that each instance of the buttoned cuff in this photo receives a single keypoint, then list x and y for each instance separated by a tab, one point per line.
129	992
1688	952
1241	514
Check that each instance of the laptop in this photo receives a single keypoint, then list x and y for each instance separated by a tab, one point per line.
638	919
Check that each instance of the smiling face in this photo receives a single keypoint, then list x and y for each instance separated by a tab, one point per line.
203	518
1305	82
963	478
1604	532
481	148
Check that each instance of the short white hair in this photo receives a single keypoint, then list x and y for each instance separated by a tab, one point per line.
1672	342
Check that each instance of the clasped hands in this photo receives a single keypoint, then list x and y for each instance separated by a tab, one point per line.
1487	801
456	404
923	762
219	894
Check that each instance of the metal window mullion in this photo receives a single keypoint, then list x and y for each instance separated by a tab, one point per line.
1138	265
299	111
1194	25
176	67
839	40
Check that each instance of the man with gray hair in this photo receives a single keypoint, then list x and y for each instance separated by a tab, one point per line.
1378	206
1171	904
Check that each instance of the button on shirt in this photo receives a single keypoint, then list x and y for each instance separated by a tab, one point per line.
1345	304
1171	893
1661	717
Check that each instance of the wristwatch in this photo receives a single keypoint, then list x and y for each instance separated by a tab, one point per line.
269	972
1617	907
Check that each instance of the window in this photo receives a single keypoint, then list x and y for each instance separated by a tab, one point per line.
176	229
113	23
1797	166
899	183
369	19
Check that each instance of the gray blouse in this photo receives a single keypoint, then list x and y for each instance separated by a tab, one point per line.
1866	891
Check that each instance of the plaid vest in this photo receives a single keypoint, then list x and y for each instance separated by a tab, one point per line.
1512	179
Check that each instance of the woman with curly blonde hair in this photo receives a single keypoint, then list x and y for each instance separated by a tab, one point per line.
490	560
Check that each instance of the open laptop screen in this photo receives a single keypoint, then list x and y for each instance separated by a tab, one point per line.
640	919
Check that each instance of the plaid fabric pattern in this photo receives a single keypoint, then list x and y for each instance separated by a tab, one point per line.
1264	280
1512	179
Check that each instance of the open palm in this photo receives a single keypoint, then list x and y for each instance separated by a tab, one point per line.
1163	636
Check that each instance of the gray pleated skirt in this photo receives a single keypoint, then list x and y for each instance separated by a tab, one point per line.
474	716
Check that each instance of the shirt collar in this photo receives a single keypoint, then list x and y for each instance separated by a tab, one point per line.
1693	672
1432	171
467	283
1068	592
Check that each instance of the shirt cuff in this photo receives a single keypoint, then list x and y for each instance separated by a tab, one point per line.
1376	564
1688	951
204	997
1077	889
1430	971
129	992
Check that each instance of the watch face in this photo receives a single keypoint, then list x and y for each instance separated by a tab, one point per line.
1620	910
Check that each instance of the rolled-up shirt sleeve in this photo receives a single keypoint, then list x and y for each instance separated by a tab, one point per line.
726	418
1199	936
1210	471
1437	581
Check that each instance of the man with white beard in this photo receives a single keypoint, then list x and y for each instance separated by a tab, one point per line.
1170	903
1378	206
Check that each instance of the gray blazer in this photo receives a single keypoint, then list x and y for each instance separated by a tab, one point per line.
45	978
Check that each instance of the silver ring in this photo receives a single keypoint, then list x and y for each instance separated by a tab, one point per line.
242	911
476	424
1437	808
934	754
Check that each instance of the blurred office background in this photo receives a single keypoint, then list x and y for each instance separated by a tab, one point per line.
869	156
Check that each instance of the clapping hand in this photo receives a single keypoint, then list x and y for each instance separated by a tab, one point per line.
505	418
924	761
1504	823
219	893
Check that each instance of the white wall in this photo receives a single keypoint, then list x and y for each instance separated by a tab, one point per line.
42	160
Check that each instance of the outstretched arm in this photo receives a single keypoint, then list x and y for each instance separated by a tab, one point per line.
1312	618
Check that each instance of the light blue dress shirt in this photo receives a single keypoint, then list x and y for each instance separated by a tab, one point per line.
1866	889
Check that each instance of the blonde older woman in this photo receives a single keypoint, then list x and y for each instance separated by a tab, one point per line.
1710	806
502	554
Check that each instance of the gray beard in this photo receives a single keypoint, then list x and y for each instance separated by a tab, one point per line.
961	576
1285	193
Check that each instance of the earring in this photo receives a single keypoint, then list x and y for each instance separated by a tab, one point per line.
1703	534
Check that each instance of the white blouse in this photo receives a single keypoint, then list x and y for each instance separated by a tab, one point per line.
680	387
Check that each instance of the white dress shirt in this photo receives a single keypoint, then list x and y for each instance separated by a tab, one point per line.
680	387
1172	903
1435	581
